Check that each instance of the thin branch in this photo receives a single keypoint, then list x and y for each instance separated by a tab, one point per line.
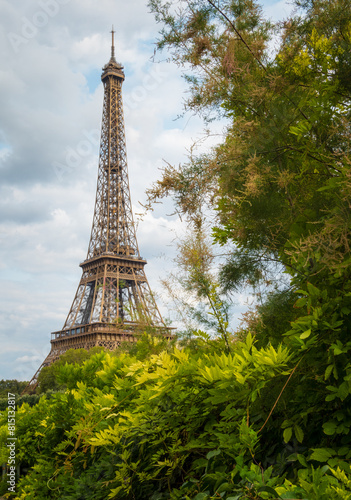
238	34
253	54
281	392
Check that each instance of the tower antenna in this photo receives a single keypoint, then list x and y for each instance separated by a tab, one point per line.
113	43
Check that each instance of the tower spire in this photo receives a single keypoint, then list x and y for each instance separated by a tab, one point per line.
113	45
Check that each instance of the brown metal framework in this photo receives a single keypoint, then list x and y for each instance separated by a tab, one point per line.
113	300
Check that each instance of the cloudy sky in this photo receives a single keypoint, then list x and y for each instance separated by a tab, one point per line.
52	52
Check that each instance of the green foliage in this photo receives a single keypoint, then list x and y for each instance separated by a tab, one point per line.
280	181
15	387
12	386
31	399
155	418
174	425
49	379
147	345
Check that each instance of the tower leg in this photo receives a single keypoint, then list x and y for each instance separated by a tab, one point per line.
33	384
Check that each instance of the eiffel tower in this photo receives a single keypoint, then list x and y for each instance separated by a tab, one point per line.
113	300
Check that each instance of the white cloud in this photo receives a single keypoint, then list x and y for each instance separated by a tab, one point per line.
277	10
28	359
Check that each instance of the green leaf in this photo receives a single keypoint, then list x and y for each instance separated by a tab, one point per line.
333	462
287	434
343	451
305	334
268	489
201	496
300	302
224	487
298	433
328	371
320	454
302	460
337	351
286	423
212	453
329	428
313	291
343	391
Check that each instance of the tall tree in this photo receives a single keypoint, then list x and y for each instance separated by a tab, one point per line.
280	181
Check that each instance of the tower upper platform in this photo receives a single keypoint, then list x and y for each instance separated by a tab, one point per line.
112	68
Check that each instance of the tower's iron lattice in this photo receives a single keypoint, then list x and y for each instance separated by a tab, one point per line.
113	300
